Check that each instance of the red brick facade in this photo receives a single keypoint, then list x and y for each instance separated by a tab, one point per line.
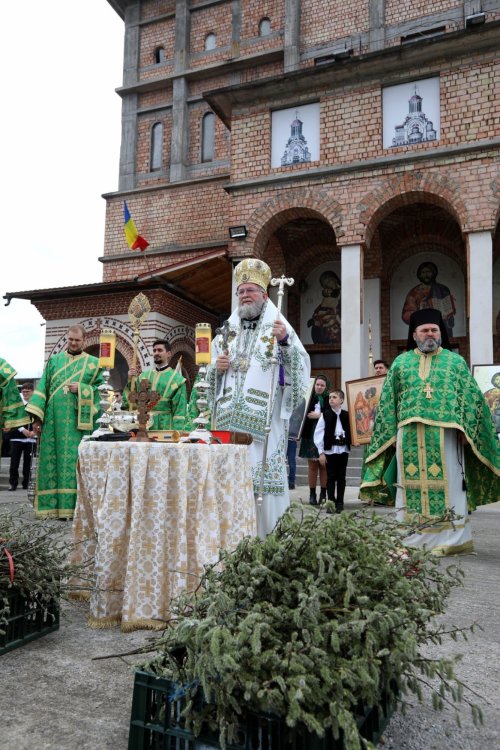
395	203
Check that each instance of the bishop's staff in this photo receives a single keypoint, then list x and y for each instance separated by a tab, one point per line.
280	283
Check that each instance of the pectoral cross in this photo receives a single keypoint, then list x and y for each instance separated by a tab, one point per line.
226	334
144	399
428	390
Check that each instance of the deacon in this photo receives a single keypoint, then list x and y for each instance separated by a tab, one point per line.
448	456
12	412
170	411
64	405
241	375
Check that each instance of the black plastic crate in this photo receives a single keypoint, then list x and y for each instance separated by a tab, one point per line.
157	724
27	619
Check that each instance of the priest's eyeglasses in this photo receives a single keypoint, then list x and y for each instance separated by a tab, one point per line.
244	290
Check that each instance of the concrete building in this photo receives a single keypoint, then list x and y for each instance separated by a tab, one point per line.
349	145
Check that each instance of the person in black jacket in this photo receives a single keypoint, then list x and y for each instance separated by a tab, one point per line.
317	403
22	444
332	438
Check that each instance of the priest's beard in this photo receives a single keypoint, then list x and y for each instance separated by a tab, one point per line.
251	310
429	345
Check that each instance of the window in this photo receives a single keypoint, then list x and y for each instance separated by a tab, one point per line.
210	41
207	136
159	55
156	146
264	27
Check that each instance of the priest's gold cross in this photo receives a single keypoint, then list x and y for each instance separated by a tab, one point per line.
428	390
144	399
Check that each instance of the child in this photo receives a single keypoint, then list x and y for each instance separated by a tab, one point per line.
332	438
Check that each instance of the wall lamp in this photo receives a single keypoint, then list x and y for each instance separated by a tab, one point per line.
476	19
238	233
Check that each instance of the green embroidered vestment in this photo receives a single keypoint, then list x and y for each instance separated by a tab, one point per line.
66	418
423	395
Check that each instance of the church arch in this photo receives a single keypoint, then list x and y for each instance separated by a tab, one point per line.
408	189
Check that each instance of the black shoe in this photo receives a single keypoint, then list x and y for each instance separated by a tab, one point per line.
291	486
12	488
339	507
25	486
312	497
322	496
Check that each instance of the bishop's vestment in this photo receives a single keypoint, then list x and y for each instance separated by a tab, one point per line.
242	395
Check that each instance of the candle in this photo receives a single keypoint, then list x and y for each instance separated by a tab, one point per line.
107	346
203	337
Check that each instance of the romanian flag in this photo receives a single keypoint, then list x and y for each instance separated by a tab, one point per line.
134	239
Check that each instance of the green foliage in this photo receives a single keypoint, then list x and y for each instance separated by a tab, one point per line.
39	552
321	617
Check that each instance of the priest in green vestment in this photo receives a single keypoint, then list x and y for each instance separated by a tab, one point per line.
12	413
435	420
65	404
170	411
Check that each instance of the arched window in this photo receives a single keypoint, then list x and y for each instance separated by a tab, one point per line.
264	27
210	41
159	55
156	146
207	136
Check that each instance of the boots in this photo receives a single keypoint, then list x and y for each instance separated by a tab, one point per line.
312	496
322	495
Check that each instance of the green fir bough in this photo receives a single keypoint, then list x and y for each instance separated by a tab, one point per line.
322	616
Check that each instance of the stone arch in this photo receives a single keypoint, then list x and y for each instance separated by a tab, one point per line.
290	205
404	190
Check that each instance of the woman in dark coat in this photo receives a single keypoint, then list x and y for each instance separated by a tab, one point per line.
317	404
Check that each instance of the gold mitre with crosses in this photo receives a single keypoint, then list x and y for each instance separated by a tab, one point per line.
254	271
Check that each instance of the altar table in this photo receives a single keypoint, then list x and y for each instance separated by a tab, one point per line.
152	515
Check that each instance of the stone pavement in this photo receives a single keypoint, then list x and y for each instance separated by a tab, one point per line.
53	696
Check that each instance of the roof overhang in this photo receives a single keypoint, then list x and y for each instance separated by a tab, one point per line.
205	279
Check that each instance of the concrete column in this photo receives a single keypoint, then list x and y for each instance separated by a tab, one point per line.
180	90
377	25
126	180
351	302
480	297
180	129
236	28
292	35
371	307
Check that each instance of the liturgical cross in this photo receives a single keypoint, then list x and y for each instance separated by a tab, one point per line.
225	333
428	390
144	399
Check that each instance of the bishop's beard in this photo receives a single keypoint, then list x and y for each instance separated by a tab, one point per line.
251	310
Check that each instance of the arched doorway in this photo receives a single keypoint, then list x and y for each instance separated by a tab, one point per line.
418	253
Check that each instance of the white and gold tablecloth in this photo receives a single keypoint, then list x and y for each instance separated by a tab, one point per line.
152	515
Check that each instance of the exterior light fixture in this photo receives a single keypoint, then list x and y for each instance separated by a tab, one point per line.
238	233
476	19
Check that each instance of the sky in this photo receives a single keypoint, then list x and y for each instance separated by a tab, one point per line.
59	152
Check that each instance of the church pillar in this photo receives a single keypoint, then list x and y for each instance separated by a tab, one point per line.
480	297
351	301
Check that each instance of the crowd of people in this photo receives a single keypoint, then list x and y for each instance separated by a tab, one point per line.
432	446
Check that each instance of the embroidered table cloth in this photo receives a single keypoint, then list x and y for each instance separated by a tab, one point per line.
152	515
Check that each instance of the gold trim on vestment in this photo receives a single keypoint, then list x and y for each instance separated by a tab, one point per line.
447	426
381	450
52	492
31	409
